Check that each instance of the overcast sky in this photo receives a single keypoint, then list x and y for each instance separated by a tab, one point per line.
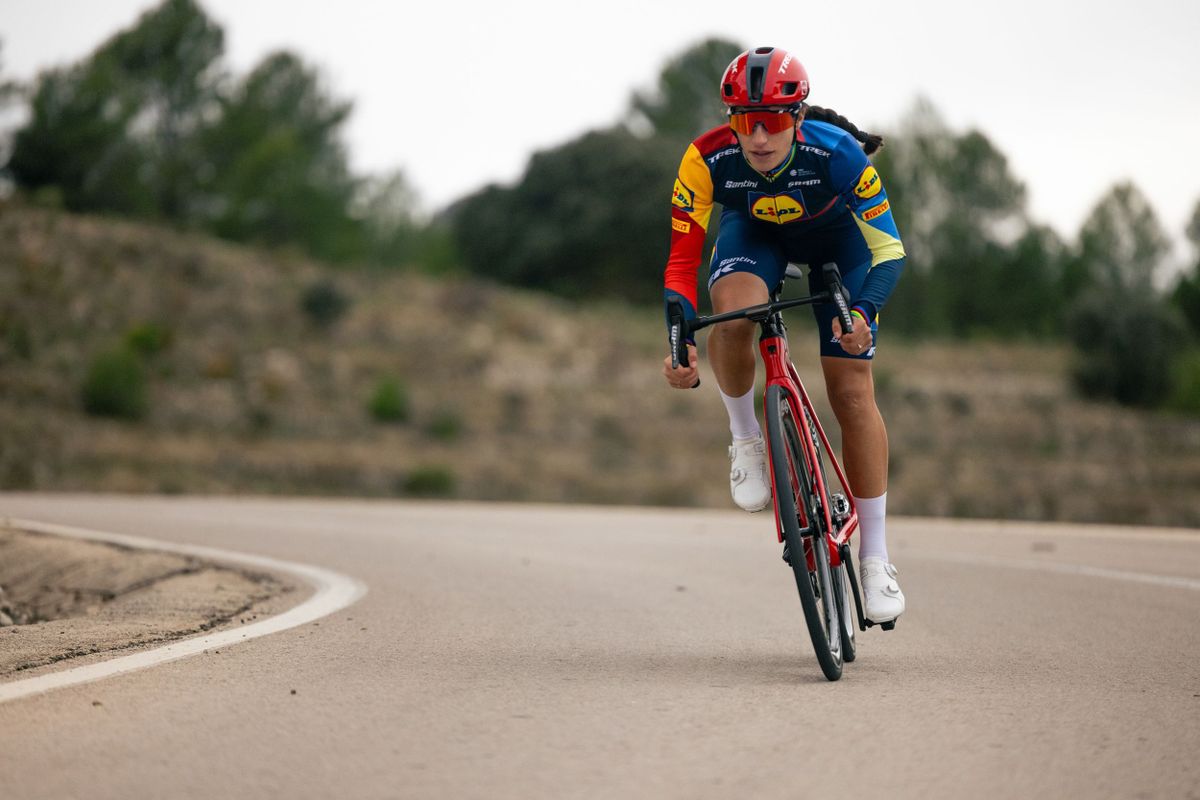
1078	95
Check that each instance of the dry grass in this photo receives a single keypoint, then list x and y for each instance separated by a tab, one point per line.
513	396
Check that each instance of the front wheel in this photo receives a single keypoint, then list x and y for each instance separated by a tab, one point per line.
803	523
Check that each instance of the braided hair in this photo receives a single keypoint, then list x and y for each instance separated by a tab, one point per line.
870	141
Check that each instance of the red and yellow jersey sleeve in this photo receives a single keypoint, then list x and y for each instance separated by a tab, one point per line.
691	210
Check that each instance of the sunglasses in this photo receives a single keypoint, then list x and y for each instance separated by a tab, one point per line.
744	122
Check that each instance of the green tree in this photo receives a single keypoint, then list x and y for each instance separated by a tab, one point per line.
1126	334
1028	285
591	218
10	90
588	219
151	125
115	131
1122	245
961	214
170	60
75	144
1186	295
1126	346
389	209
276	169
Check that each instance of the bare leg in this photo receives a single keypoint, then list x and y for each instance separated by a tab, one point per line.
851	389
731	346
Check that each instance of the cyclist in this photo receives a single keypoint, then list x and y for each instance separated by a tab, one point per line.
795	186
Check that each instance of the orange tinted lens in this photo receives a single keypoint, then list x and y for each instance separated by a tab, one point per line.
773	121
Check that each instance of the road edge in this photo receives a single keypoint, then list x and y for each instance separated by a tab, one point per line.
332	592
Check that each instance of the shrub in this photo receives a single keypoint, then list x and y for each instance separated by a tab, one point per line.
18	338
324	303
446	426
115	386
389	402
429	481
147	339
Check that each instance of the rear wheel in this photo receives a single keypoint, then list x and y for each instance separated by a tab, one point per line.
846	615
842	587
842	582
804	529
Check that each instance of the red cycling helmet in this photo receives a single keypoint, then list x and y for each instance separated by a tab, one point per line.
764	76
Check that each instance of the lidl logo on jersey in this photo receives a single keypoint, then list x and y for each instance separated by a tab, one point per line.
779	208
868	184
683	198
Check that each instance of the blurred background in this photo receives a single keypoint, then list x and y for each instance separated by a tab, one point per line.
217	275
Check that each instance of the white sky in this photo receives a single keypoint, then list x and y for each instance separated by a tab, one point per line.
1078	95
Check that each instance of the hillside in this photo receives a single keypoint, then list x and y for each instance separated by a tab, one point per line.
497	394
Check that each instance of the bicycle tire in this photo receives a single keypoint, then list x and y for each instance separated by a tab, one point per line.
803	527
842	593
845	598
841	580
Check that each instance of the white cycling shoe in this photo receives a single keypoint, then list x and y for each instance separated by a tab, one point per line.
882	599
748	481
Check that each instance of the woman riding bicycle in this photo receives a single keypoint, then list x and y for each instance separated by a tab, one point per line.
795	186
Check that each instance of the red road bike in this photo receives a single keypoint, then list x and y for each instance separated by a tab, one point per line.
813	522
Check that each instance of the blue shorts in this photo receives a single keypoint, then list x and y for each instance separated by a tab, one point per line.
747	246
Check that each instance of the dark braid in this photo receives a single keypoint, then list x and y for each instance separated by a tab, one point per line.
870	141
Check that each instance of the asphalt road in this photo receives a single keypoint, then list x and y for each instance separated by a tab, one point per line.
535	651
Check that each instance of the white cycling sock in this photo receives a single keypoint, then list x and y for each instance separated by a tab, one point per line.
743	424
872	539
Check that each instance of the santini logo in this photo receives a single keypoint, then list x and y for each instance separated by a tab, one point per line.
740	184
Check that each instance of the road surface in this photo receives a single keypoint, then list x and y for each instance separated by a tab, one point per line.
569	652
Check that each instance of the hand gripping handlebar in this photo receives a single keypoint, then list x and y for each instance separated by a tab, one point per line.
681	328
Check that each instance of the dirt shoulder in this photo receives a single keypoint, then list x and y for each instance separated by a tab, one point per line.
63	598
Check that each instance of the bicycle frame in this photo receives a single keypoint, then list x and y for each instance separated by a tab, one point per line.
780	370
792	424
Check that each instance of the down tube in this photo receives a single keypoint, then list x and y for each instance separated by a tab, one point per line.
842	534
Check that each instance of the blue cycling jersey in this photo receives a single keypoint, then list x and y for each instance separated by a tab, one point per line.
826	193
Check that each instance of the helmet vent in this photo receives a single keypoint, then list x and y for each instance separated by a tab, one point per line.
789	88
755	84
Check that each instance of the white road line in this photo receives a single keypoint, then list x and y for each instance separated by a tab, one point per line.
333	592
1169	581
